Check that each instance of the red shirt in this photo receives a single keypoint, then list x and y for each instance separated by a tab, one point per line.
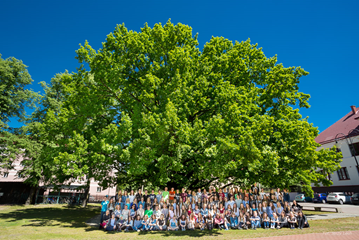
172	193
221	195
184	196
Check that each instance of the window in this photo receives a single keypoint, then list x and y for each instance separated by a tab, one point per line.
6	175
354	148
343	174
329	177
98	189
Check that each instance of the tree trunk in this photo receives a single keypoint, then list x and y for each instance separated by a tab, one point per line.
87	194
29	199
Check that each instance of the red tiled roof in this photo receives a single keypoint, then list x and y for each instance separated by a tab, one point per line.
344	125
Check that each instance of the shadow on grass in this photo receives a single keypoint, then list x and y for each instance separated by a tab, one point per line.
159	234
63	215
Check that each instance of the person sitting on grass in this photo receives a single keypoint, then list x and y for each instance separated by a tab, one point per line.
248	220
105	218
173	224
129	224
201	222
226	223
146	223
218	222
234	221
121	224
153	222
241	221
161	223
137	224
183	222
274	222
265	221
255	221
283	220
111	224
292	220
302	220
191	222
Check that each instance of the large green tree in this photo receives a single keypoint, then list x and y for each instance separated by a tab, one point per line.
161	111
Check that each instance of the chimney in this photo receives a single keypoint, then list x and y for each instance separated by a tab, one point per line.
354	109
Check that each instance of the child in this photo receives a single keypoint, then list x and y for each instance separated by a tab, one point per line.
201	222
111	224
255	221
140	212
117	212
226	223
133	211
137	224
129	224
265	220
210	222
128	203
105	218
183	222
191	222
161	223
142	202
146	223
153	223
173	224
248	220
149	212
234	221
218	222
121	224
302	220
292	220
274	221
283	220
241	221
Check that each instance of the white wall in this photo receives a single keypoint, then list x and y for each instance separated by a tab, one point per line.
348	161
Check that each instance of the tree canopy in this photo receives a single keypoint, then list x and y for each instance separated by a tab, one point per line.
153	108
161	111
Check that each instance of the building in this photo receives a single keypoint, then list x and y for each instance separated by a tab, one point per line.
14	190
345	135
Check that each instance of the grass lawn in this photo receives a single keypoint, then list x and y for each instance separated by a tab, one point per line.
60	221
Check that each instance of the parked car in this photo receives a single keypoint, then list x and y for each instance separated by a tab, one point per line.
355	198
320	198
302	198
338	197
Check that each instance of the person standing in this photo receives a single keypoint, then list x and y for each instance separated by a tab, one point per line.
139	195
104	204
184	195
172	195
159	196
165	194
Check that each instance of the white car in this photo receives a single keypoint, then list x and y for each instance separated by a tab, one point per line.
338	197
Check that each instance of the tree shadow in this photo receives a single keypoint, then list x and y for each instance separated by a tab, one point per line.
60	215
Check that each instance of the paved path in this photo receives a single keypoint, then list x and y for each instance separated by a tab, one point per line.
348	235
345	208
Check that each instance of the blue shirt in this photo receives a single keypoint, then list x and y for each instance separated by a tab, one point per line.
104	206
123	198
142	203
204	212
234	220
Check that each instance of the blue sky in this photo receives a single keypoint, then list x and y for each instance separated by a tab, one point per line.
320	36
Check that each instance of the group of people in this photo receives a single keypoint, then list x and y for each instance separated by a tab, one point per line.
189	210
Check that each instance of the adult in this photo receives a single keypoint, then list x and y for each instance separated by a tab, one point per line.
184	195
254	187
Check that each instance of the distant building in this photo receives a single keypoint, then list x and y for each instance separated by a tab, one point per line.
345	135
14	190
